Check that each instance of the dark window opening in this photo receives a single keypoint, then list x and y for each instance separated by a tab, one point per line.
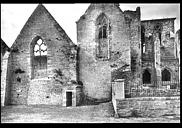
142	34
103	32
160	37
146	77
40	62
166	75
102	24
133	64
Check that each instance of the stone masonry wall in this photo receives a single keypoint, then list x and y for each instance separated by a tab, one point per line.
167	25
173	67
134	30
167	46
96	74
60	55
149	107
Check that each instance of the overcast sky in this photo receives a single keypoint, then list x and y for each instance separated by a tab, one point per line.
14	16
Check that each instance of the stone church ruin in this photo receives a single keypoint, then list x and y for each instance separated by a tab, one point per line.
114	48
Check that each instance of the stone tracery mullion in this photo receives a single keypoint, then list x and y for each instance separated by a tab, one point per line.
40	49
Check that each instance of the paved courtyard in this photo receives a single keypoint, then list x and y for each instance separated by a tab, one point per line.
58	114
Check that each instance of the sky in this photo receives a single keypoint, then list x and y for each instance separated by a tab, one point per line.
14	16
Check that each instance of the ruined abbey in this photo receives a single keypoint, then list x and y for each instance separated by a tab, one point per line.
44	66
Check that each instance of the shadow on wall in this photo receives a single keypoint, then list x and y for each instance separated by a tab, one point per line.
92	101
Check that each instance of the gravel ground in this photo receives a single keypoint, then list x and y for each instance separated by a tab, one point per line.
58	114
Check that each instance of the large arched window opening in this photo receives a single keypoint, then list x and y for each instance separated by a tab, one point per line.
146	77
102	24
39	58
166	75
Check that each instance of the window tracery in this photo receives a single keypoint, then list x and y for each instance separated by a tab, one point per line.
103	30
39	58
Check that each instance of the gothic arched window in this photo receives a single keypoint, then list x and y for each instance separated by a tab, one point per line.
40	48
146	77
39	58
166	75
102	27
102	24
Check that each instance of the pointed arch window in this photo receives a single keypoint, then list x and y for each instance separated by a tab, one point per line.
103	30
166	75
39	58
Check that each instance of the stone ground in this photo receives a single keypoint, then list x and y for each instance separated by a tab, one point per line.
58	114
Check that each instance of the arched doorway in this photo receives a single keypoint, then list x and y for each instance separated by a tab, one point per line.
146	77
166	75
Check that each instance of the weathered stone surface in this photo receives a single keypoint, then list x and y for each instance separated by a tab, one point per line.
95	73
61	55
161	45
95	62
148	107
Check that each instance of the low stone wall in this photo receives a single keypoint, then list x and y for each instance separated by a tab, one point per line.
148	107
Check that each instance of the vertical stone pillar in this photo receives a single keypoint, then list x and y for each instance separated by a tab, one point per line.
118	89
118	92
78	95
178	52
64	97
177	44
157	63
4	75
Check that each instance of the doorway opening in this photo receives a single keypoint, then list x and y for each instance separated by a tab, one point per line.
146	77
68	99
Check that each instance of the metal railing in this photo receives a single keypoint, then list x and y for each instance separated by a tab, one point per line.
161	89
